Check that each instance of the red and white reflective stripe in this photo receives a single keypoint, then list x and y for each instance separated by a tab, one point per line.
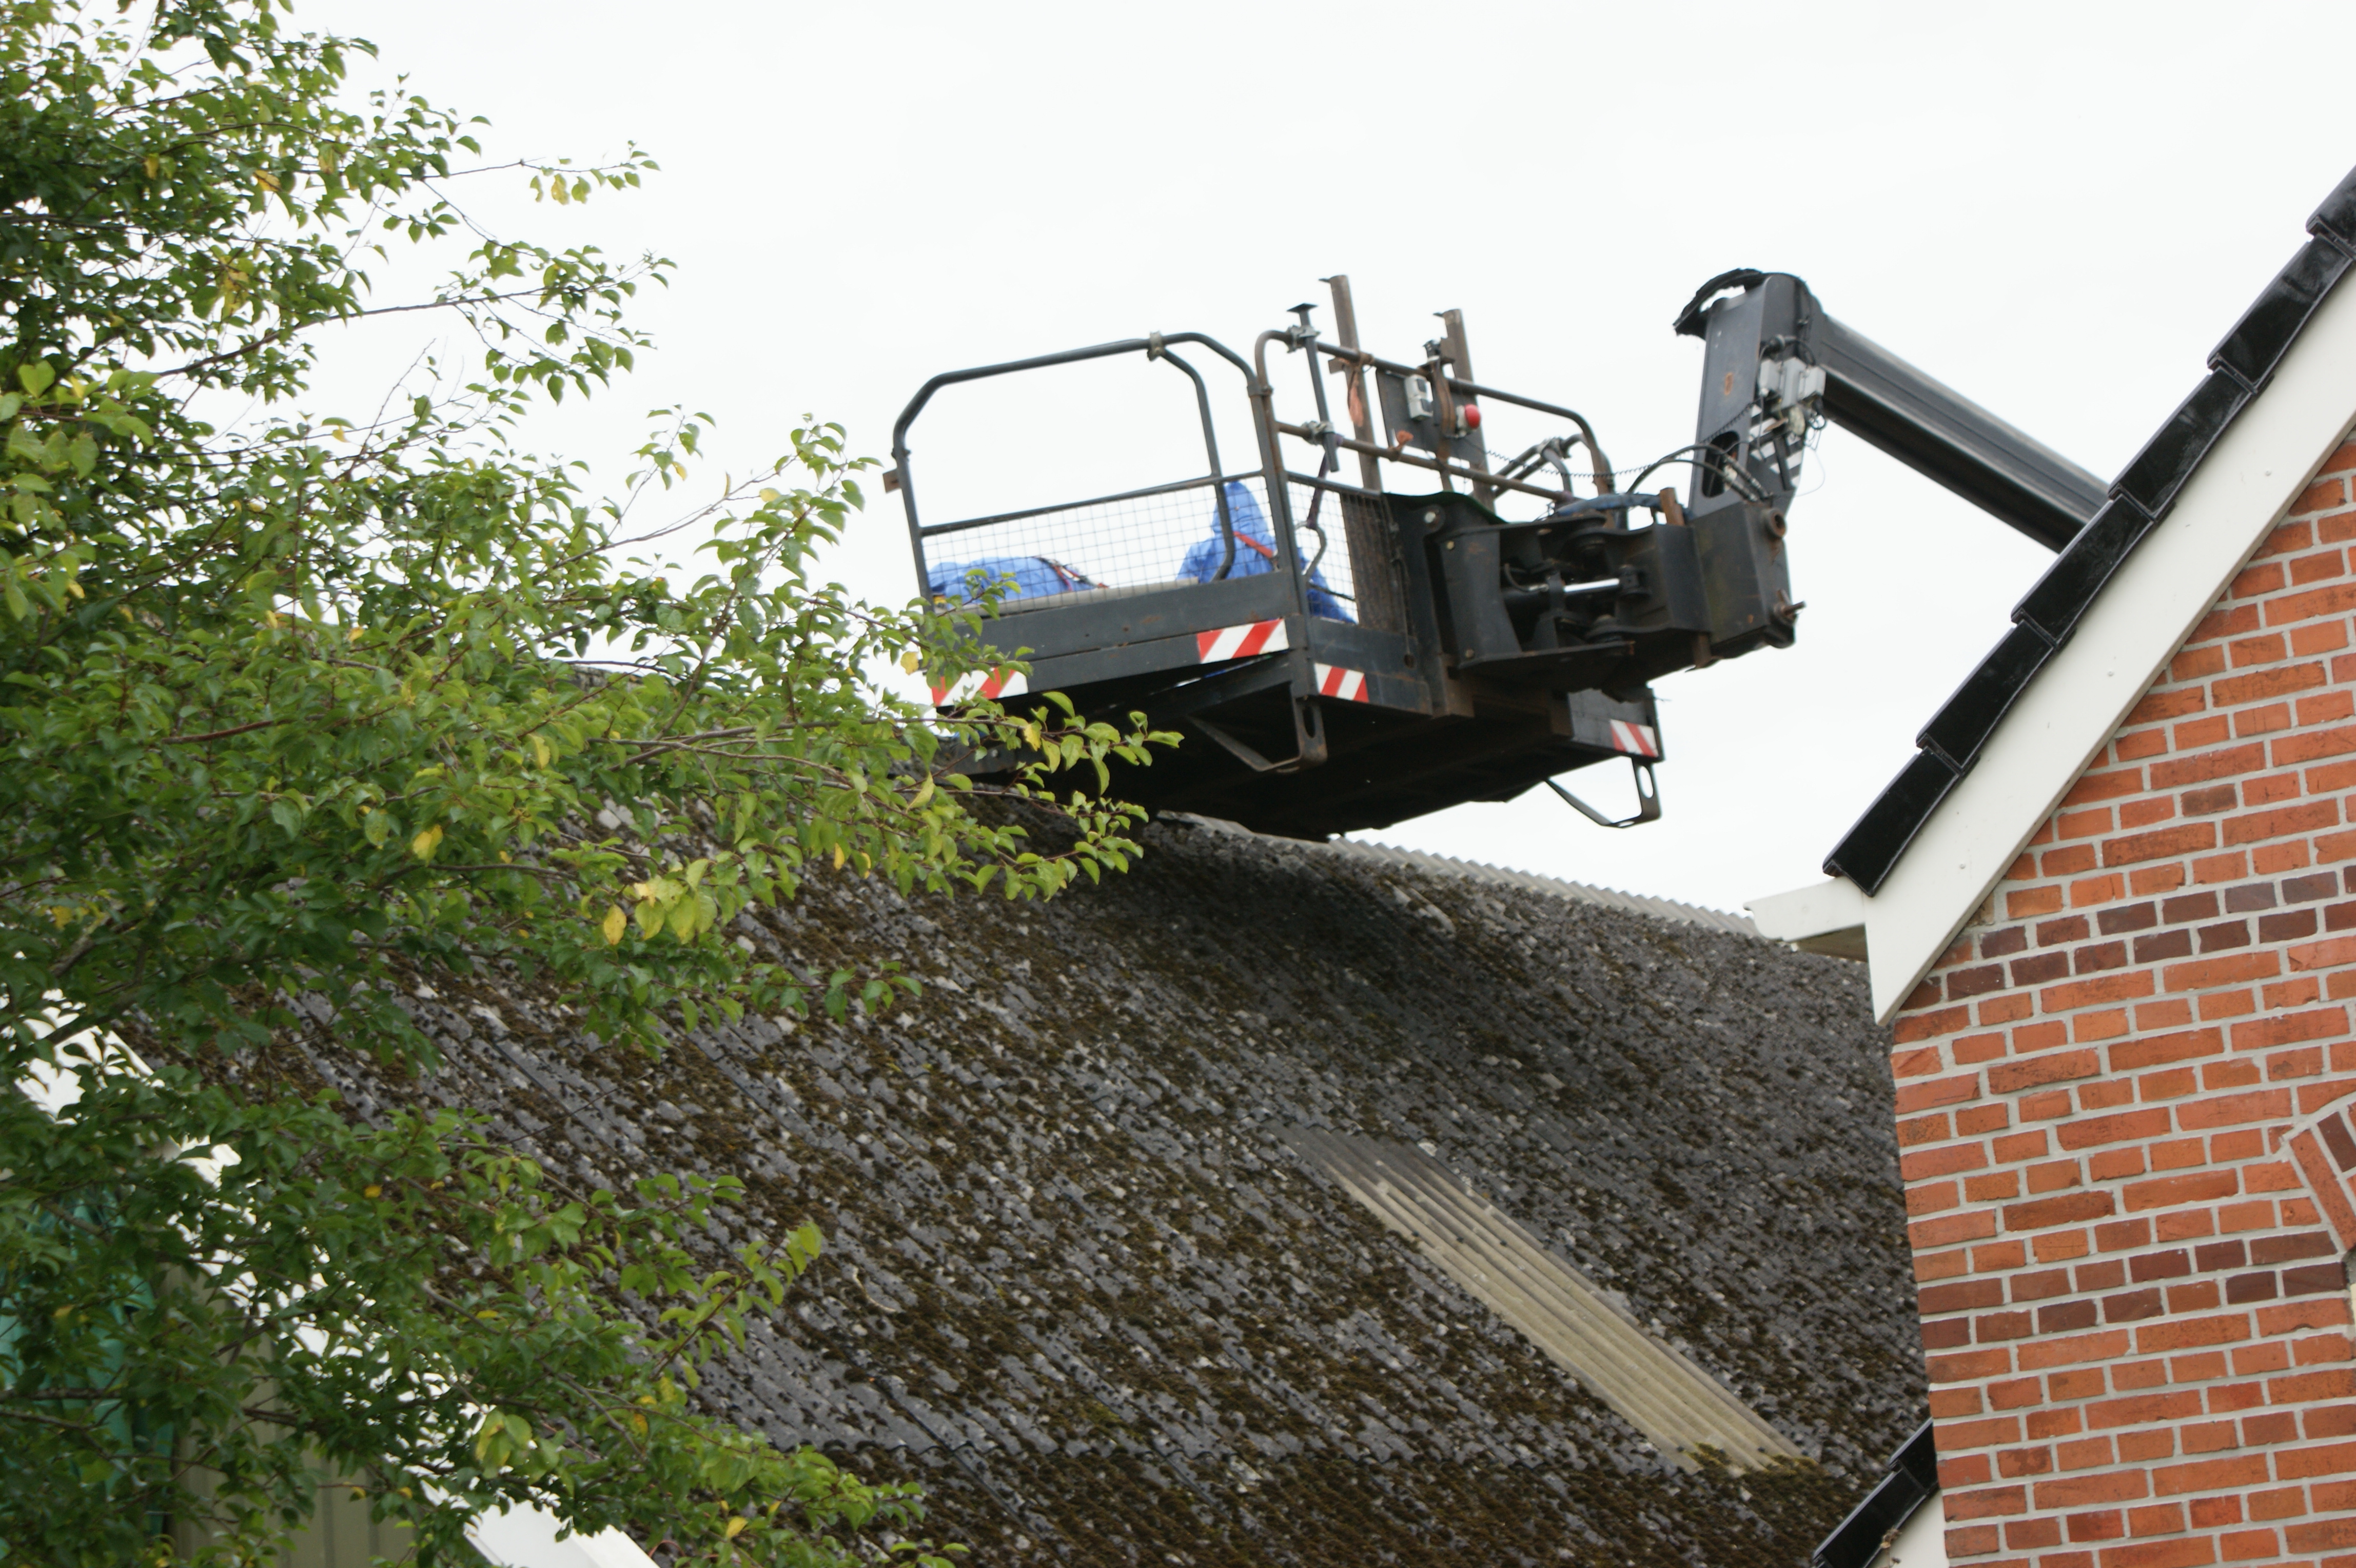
999	682
1241	642
1333	681
1634	740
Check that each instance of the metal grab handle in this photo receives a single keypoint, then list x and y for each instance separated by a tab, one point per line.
1157	350
1648	798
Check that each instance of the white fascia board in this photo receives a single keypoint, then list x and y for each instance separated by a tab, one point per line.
2233	500
1922	1540
1826	908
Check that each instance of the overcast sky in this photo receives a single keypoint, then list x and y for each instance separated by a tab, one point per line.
2056	209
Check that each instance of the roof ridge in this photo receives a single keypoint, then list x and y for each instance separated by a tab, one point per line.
1555	886
1482	871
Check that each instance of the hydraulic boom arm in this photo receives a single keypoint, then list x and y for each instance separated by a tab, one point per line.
1867	389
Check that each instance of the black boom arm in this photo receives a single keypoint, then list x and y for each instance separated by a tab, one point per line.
1751	318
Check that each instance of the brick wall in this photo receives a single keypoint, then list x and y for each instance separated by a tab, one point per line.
2119	1101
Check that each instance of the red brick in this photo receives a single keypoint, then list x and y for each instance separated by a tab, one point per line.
2154	1050
2232	969
2078	1491
2283	821
2067	861
2336	600
2178	772
2331	1459
2126	1126
2144	1409
2069	1209
2159	706
2011	1078
1984	1502
2103	988
1923	1095
1923	1025
2163	843
2320	1535
2094	787
2233	691
2329	953
2210	1474
1946	1160
2273	1104
2305	745
2196	1188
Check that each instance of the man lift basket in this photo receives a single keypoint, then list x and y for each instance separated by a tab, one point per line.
1347	655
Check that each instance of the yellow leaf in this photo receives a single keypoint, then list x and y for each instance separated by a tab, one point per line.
423	845
839	857
768	494
736	1527
924	791
267	181
615	924
909	661
542	750
151	164
371	1190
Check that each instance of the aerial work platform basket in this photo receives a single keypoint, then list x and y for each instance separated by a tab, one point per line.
1346	653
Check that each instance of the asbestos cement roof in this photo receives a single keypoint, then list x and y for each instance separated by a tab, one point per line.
1096	1278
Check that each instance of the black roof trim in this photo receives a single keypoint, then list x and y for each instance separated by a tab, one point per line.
1956	731
1912	1478
1890	824
2152	478
2255	345
2245	360
2060	596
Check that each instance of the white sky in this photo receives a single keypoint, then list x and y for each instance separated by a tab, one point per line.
2057	209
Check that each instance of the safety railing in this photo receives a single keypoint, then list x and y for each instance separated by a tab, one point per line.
1224	523
1325	535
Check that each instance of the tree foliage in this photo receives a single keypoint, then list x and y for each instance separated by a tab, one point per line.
295	707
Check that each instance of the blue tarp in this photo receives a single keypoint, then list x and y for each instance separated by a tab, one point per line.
1034	576
1251	529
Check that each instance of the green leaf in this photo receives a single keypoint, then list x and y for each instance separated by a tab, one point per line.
35	376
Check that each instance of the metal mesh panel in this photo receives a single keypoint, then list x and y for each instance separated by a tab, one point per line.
1141	542
1333	566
